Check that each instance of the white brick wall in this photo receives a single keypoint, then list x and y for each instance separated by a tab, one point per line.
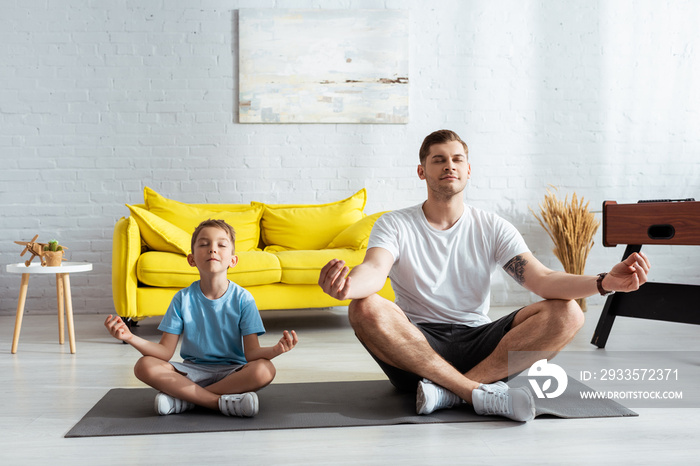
98	99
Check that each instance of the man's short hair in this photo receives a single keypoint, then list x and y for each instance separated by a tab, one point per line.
439	137
217	224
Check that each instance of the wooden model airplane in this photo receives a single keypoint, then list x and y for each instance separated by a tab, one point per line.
37	249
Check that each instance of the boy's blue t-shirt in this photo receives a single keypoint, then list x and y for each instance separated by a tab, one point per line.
212	330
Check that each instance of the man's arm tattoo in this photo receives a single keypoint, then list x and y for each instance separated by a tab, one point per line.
516	269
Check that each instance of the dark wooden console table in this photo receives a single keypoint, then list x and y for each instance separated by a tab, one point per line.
650	222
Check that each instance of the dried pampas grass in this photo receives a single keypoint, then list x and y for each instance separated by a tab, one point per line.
572	227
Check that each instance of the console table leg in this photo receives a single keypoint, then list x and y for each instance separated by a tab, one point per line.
69	311
20	310
605	323
61	309
607	317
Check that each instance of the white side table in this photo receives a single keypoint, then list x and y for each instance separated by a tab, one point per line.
63	296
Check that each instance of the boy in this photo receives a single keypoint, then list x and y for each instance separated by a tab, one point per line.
223	362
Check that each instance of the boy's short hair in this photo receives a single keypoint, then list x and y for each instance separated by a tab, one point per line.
217	224
439	137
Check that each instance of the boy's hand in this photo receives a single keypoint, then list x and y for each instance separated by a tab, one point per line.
287	342
118	329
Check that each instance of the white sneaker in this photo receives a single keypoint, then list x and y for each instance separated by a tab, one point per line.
166	404
501	400
431	397
243	405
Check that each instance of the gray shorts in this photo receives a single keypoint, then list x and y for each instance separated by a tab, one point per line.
205	374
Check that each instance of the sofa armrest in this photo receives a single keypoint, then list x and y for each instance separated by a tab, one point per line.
126	249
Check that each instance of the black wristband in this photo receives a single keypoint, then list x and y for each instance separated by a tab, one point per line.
599	283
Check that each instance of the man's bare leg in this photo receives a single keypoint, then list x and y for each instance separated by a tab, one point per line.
383	327
539	330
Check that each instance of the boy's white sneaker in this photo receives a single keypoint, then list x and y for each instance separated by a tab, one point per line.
500	400
241	405
166	404
431	397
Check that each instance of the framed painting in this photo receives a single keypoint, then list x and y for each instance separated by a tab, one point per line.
323	66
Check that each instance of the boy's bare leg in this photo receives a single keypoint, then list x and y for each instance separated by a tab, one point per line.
382	326
162	376
252	377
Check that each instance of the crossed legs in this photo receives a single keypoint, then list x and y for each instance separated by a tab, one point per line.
162	376
545	327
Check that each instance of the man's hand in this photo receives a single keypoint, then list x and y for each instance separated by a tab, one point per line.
629	274
118	329
334	279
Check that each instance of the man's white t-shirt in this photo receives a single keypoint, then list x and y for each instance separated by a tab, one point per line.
445	276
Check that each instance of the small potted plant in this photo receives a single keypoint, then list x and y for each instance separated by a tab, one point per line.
53	252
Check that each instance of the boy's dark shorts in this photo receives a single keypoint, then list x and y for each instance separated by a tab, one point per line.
462	346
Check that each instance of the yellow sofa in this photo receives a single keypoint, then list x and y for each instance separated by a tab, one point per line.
281	250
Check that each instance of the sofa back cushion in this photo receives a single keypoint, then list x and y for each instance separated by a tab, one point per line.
356	236
310	226
244	218
159	234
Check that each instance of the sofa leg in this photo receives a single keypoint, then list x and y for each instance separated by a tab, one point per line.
131	323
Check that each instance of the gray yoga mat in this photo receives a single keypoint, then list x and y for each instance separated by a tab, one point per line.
129	411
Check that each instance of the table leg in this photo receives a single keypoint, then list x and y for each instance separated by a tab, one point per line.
69	311
61	309
20	310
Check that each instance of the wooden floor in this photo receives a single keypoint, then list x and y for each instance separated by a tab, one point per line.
45	390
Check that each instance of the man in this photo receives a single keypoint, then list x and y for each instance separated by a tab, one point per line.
436	338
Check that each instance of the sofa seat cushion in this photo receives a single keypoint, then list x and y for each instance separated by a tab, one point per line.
166	269
304	267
